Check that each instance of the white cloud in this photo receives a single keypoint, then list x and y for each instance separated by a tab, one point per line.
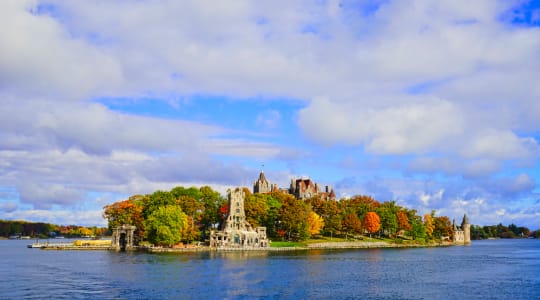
39	56
401	129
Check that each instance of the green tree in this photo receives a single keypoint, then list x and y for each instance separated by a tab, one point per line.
156	200
211	202
387	212
418	230
165	225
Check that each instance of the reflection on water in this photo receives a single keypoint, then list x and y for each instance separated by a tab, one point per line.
487	269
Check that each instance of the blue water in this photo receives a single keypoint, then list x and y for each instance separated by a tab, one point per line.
499	269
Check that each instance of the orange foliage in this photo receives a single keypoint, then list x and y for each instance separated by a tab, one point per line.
351	223
125	212
403	221
372	223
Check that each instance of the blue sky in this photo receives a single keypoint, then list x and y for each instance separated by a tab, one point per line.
433	104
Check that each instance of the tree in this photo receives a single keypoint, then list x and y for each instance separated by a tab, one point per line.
360	204
442	227
387	213
165	225
428	224
418	230
351	223
85	231
256	209
403	221
332	217
211	202
156	200
126	212
293	215
372	223
315	223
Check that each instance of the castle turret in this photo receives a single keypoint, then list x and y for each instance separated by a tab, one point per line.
466	227
262	185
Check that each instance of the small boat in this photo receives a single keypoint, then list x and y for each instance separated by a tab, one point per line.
36	245
59	237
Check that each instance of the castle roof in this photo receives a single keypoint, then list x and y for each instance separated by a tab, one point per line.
465	219
262	178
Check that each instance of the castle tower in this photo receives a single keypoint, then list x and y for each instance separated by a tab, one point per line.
237	233
262	185
237	215
466	227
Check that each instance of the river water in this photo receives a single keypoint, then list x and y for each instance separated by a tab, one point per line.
494	269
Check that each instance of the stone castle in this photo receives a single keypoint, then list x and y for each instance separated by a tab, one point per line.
301	188
237	233
462	234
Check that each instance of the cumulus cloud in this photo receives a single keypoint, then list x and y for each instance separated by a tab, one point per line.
40	56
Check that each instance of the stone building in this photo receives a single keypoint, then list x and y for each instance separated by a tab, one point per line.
300	188
305	188
237	233
123	237
462	234
262	185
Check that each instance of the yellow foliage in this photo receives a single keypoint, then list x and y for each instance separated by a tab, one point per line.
428	223
315	223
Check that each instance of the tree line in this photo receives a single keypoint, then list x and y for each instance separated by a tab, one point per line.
500	231
189	214
44	230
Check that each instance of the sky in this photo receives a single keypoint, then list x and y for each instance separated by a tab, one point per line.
432	104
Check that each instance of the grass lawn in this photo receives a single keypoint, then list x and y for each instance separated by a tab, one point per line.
286	244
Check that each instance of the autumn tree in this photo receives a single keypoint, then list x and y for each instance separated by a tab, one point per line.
360	204
126	212
85	231
351	223
256	208
403	221
372	222
315	223
332	216
428	225
293	215
442	227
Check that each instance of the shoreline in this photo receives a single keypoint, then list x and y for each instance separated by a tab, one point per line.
188	249
316	246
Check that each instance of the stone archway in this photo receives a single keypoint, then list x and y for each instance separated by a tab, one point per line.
123	237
